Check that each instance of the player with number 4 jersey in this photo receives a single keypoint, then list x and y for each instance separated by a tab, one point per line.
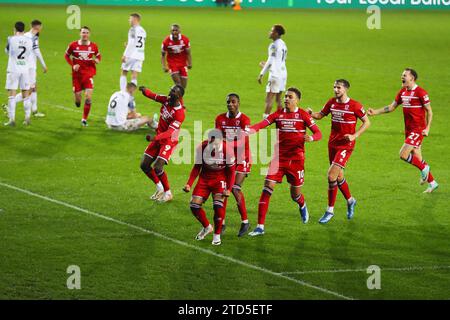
418	116
345	113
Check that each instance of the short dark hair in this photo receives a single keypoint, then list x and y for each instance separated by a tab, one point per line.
279	29
136	15
413	73
296	91
234	95
85	27
131	85
176	25
35	23
19	26
180	87
344	82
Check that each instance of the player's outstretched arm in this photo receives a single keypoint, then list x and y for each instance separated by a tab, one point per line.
189	58
193	175
387	109
163	61
316	136
365	125
151	95
429	112
315	115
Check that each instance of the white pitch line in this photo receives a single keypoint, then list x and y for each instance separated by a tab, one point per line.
412	268
179	242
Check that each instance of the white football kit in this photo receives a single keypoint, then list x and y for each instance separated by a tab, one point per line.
116	117
276	65
35	54
135	50
19	49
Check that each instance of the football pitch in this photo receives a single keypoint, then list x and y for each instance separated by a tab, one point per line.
76	196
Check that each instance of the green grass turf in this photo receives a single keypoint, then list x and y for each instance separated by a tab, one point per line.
395	225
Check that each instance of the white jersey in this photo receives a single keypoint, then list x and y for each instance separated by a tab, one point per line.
118	108
277	59
19	50
36	53
136	43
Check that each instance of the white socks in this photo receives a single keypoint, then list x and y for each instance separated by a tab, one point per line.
260	226
330	209
159	186
19	97
33	97
123	83
27	107
12	108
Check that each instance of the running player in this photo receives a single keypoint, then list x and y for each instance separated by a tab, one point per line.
233	124
215	164
418	116
289	157
83	55
177	49
276	65
19	49
161	146
344	114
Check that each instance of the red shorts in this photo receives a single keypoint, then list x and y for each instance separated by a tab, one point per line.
181	70
82	81
205	187
339	156
414	139
244	167
294	171
160	150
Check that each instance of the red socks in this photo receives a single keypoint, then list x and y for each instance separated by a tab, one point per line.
300	200
263	205
219	216
332	193
164	180
200	214
343	186
415	162
152	175
86	110
240	200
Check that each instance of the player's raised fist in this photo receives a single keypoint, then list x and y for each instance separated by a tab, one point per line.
425	132
187	188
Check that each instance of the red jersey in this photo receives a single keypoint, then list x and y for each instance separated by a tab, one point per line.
176	50
83	55
232	129
413	102
291	132
343	121
170	117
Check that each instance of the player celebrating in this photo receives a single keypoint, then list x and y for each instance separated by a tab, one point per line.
19	49
289	158
134	54
418	116
215	164
120	117
33	34
233	124
276	65
85	57
159	150
344	114
177	48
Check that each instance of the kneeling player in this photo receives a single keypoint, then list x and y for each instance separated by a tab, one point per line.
215	164
120	117
289	158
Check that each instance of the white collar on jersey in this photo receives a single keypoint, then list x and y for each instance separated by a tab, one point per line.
285	109
413	88
178	107
179	37
237	116
79	43
346	101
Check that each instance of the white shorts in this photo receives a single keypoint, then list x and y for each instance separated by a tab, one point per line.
276	85
17	80
132	65
129	125
32	77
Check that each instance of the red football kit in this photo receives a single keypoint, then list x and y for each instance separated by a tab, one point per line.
232	130
83	55
413	102
343	121
170	121
290	147
176	54
216	168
